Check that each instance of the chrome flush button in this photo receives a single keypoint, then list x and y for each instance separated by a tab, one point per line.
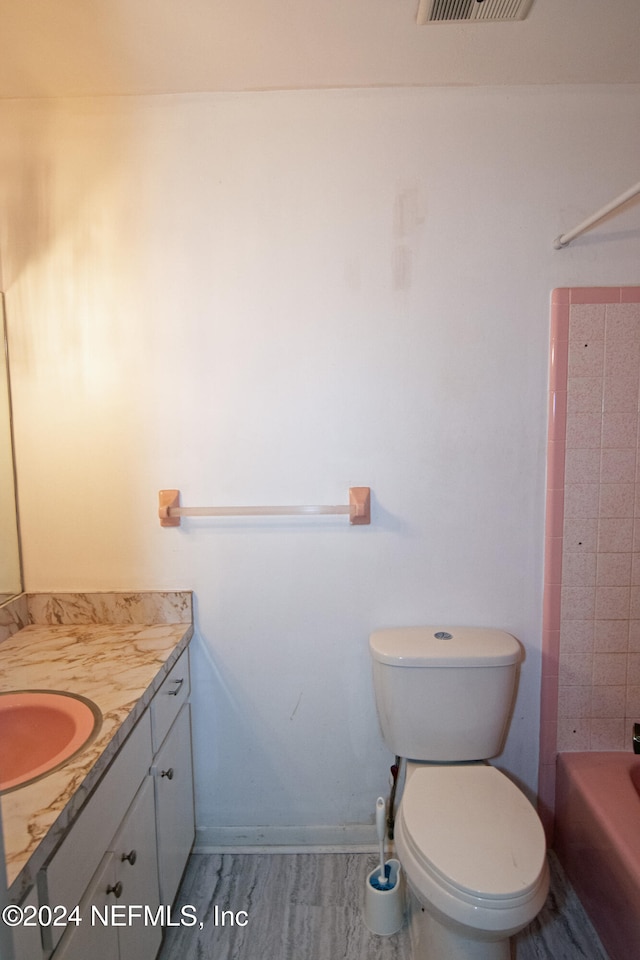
443	635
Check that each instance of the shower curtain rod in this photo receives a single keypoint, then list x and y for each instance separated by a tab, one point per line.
566	238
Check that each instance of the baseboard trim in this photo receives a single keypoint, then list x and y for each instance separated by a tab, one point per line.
207	849
356	838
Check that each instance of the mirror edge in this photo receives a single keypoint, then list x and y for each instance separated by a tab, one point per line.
7	597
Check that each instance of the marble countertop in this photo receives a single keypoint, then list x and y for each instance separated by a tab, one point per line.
119	666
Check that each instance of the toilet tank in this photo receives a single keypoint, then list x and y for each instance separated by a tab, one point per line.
444	693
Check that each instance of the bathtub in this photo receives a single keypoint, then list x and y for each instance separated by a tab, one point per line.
597	838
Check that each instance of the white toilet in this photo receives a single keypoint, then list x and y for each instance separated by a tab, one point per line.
472	846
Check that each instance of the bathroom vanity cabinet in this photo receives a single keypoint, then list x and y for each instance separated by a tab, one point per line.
122	859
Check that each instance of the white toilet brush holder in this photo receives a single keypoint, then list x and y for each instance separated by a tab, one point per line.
384	897
384	905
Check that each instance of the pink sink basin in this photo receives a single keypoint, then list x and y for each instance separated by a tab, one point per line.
39	731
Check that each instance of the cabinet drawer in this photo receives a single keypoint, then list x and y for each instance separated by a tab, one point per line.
169	699
66	877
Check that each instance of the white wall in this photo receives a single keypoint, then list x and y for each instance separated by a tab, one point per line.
267	298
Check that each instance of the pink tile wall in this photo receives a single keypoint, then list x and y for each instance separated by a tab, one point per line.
591	620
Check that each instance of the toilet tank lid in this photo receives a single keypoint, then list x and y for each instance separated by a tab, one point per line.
439	646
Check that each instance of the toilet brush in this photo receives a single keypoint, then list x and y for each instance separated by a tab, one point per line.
384	896
381	812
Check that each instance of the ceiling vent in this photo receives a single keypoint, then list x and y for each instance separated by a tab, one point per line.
458	11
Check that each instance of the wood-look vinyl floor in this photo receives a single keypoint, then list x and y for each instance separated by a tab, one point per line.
308	906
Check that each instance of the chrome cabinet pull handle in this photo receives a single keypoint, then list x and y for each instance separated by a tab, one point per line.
132	856
116	889
167	773
174	693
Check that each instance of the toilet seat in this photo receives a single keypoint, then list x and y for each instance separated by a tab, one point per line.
472	833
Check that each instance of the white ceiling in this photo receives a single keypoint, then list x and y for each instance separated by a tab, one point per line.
93	47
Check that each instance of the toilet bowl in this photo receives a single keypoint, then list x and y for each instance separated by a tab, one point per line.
471	845
473	851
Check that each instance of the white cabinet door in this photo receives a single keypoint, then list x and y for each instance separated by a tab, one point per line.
27	942
91	940
136	868
173	778
69	872
114	923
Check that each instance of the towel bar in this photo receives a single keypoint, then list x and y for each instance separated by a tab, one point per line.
358	509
